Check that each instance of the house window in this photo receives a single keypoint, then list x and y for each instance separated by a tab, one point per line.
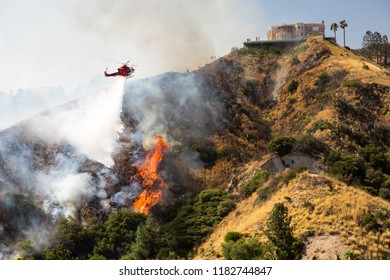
316	28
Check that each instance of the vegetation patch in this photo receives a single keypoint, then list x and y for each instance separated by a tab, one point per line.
243	249
293	173
294	60
293	86
351	83
322	80
281	245
320	125
131	235
255	182
281	145
370	171
374	220
207	152
346	167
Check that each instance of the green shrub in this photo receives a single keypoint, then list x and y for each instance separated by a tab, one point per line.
281	145
322	80
309	144
255	182
243	249
58	253
27	248
369	222
194	221
265	192
341	104
384	193
294	60
233	236
293	86
351	83
225	207
320	125
374	178
375	156
207	152
368	171
350	255
293	173
267	103
346	167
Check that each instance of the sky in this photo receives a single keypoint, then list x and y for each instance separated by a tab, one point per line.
69	43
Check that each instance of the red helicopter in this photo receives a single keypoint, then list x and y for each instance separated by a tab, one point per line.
124	71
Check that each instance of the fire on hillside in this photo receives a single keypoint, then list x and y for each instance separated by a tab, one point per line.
150	177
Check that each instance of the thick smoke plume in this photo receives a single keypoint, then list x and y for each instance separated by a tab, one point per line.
57	161
65	43
90	124
180	107
61	159
184	111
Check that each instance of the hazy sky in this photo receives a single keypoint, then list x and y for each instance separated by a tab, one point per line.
70	42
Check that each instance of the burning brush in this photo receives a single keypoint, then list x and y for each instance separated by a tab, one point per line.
150	177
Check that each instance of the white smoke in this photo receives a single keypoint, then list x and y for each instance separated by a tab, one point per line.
172	105
147	107
90	124
64	43
181	108
63	190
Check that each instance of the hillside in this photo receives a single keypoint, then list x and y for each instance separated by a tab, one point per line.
204	154
260	106
327	214
340	102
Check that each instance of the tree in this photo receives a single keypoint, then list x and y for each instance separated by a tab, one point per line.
367	44
377	42
343	25
385	42
118	234
281	145
69	241
147	243
279	233
334	28
375	47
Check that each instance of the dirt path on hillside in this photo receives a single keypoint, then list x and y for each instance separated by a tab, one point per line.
326	247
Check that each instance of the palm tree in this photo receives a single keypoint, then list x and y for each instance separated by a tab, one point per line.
334	27
343	25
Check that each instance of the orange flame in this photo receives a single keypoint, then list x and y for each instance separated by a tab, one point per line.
151	179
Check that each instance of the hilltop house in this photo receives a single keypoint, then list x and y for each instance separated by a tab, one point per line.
296	31
288	35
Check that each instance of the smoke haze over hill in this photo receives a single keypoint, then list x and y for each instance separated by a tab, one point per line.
63	158
66	43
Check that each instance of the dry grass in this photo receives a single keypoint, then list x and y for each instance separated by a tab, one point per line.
314	103
319	205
